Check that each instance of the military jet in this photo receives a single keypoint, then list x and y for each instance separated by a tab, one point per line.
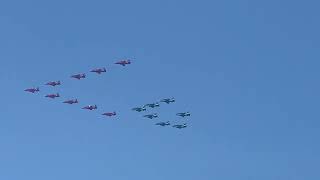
71	101
90	107
53	83
152	105
52	96
79	76
183	114
180	126
123	62
163	123
99	70
110	114
168	100
151	116
32	90
139	109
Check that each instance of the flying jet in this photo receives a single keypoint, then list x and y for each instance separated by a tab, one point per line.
32	90
151	116
110	114
53	83
183	114
180	126
79	76
139	109
52	96
71	101
152	105
99	70
163	123
90	107
168	100
124	62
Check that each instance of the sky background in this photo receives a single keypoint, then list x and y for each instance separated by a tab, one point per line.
248	71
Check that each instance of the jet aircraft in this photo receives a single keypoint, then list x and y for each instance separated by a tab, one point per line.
52	96
53	83
180	126
139	109
123	62
71	101
79	76
152	105
151	116
32	90
183	114
110	114
168	100
90	107
99	70
163	123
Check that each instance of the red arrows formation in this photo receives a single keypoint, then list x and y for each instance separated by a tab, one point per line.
80	76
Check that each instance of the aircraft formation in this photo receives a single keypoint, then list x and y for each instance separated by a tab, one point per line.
114	113
153	106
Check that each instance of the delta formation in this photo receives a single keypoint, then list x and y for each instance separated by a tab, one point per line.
92	107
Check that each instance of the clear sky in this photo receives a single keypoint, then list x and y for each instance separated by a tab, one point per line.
248	71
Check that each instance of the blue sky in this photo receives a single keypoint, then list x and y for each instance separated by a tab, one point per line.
246	70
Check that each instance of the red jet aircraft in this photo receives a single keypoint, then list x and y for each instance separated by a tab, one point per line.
53	83
71	101
90	107
79	76
52	95
123	62
110	114
32	90
99	70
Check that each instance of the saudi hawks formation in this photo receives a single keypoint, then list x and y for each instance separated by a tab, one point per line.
113	113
